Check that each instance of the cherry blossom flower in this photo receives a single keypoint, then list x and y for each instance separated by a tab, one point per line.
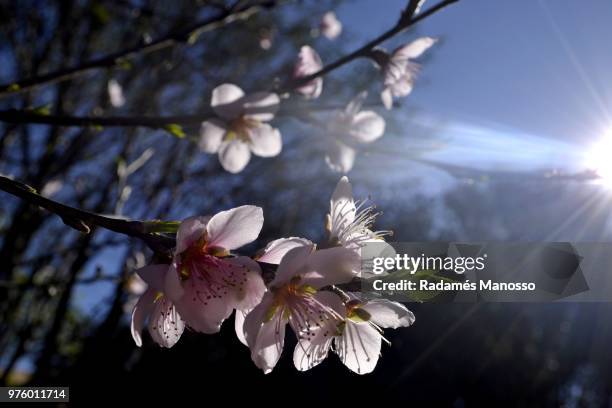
330	26
294	298
349	224
115	93
240	128
205	282
356	332
308	63
273	254
349	128
165	324
398	70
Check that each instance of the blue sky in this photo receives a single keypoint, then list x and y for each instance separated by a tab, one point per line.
540	67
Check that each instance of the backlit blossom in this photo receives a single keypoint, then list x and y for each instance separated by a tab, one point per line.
165	325
330	26
294	298
355	334
241	127
399	71
348	129
205	281
115	93
307	64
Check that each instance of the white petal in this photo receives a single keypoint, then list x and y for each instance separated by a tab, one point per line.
354	106
143	308
211	135
265	140
342	207
331	266
234	155
388	314
265	338
239	325
252	287
330	26
274	252
190	230
261	106
292	264
387	98
414	49
224	101
359	347
115	93
204	308
367	126
234	228
154	276
165	324
340	157
173	288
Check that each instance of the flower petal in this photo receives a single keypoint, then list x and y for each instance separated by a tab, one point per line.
204	308
190	231
330	26
234	155
261	106
331	266
312	350
293	263
265	140
154	276
354	106
234	228
250	287
239	317
165	325
359	347
173	288
211	135
143	308
266	338
340	157
225	101
387	98
414	49
367	126
388	314
342	207
307	64
274	252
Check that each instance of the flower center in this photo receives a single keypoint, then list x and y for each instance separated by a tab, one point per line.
240	127
199	251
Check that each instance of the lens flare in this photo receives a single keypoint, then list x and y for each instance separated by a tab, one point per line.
599	158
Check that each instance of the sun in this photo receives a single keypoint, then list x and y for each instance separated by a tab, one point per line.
599	158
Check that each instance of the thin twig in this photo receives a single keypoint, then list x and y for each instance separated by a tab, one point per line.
117	58
85	221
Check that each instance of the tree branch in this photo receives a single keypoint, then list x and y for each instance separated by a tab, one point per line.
406	20
85	221
185	35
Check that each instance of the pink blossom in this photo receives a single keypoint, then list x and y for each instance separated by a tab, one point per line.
307	64
330	26
240	130
205	282
295	298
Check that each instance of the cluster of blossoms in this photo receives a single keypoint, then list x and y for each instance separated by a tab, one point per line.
241	128
206	282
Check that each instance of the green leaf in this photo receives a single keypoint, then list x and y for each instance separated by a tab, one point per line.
44	110
13	87
176	130
167	227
